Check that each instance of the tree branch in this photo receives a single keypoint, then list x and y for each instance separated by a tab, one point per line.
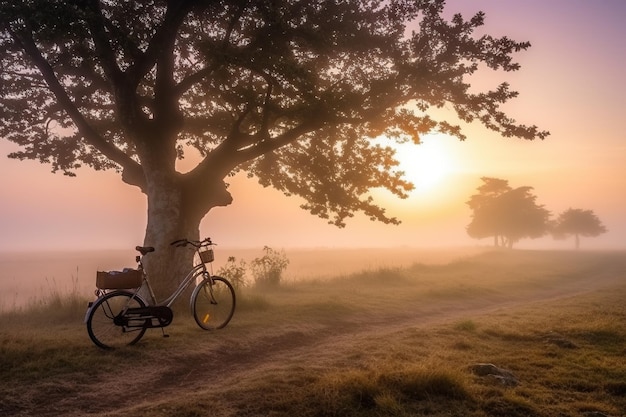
225	157
96	22
186	83
162	42
132	169
203	73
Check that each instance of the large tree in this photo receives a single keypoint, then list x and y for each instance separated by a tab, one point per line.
290	91
577	223
506	214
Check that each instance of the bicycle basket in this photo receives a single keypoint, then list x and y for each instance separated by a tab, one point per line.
113	280
206	256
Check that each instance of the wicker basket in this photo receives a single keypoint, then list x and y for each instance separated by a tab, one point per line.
207	256
129	278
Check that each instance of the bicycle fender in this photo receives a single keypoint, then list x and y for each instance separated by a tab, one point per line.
89	307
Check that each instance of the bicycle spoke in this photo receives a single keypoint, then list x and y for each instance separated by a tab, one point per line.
213	303
101	321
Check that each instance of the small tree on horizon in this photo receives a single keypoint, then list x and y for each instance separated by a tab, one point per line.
483	209
292	92
506	214
577	222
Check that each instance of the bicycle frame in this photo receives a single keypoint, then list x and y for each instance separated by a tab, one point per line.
197	271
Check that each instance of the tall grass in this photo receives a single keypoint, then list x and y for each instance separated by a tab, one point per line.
53	305
388	388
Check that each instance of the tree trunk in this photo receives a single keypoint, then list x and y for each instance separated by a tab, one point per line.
168	220
176	206
577	241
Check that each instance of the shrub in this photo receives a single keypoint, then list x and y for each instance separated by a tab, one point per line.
466	326
268	269
234	271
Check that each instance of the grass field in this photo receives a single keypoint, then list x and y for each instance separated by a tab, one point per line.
382	342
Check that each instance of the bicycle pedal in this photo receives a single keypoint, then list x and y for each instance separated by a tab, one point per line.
166	335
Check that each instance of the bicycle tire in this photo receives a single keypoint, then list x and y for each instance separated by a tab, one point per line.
213	303
100	325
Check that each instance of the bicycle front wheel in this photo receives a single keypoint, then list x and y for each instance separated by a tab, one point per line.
213	303
103	330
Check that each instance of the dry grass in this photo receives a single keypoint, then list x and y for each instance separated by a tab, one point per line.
390	342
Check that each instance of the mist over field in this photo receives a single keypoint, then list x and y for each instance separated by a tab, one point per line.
26	276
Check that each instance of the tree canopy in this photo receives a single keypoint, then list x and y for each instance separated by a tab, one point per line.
506	214
290	91
577	222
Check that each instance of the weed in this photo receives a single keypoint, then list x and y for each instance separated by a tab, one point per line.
605	338
510	405
381	276
418	383
250	301
617	388
268	269
510	335
462	345
234	271
466	326
52	307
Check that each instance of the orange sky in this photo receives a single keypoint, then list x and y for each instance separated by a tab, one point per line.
571	83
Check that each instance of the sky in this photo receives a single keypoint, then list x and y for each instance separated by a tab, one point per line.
571	83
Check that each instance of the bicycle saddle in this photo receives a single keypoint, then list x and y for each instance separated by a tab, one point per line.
144	249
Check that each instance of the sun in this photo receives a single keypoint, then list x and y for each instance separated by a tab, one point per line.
428	164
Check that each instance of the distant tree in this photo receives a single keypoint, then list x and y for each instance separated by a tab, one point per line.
293	92
577	222
484	209
506	214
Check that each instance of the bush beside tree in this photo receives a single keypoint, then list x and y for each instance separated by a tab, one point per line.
268	269
234	271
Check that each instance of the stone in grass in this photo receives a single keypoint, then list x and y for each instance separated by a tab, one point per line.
494	374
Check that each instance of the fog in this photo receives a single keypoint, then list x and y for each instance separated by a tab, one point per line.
28	276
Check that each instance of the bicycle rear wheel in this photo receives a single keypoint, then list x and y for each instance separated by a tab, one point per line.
213	303
100	322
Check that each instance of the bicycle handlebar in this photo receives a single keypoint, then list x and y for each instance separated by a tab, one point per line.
195	243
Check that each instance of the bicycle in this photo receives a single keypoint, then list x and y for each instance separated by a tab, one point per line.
120	315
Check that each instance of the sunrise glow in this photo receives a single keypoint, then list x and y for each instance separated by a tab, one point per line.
428	164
